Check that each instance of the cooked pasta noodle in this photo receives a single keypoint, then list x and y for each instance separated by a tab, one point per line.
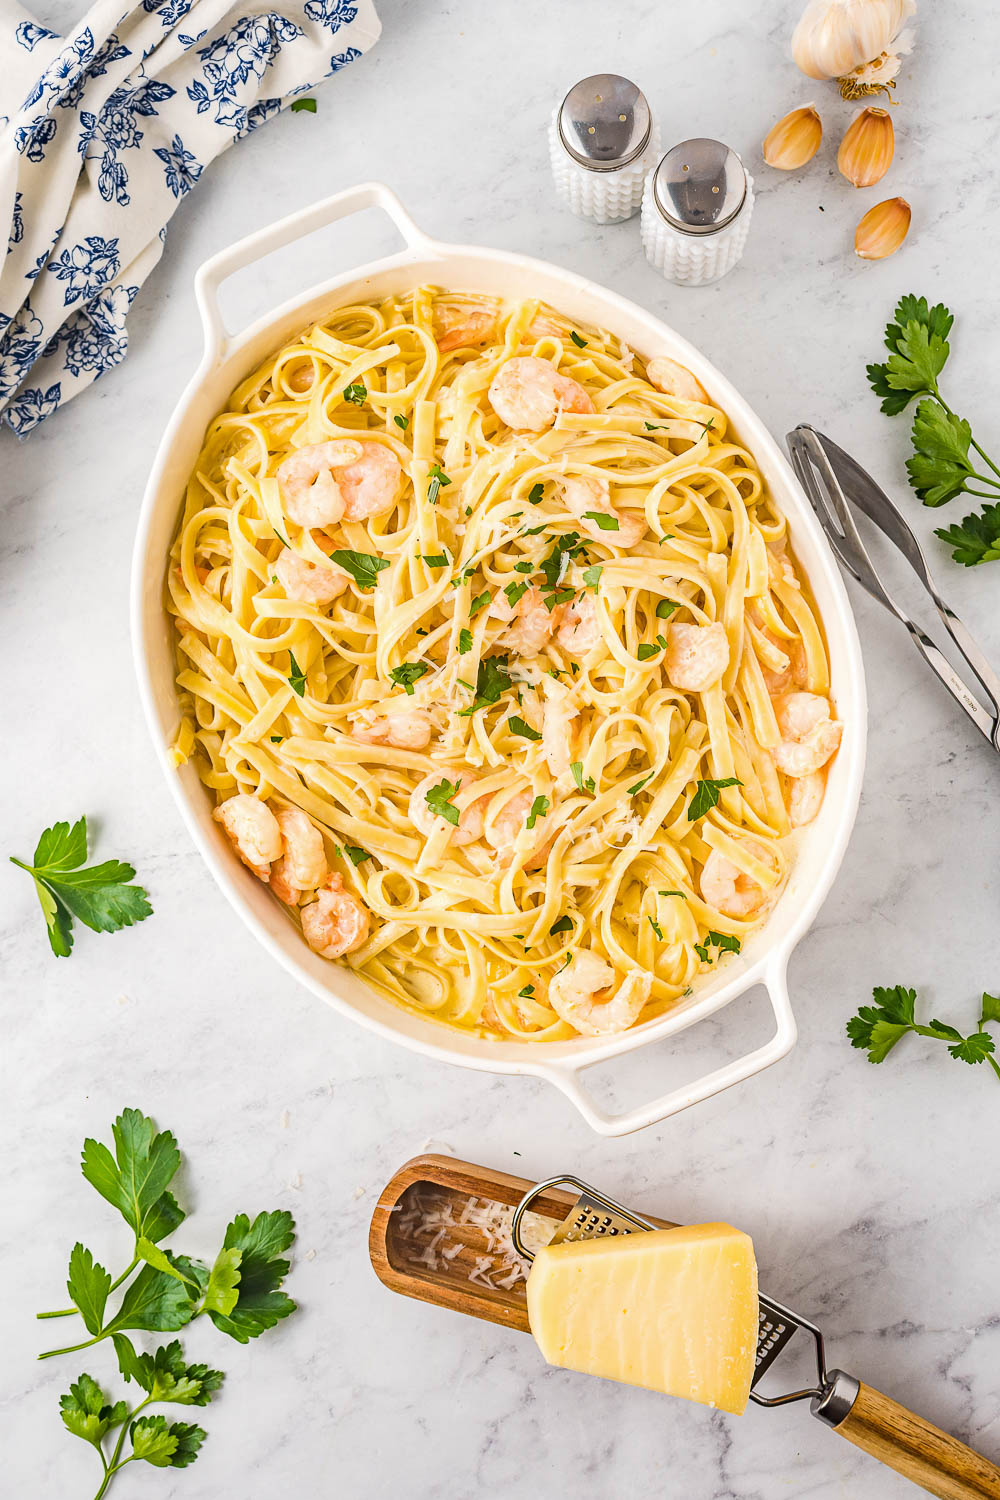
492	653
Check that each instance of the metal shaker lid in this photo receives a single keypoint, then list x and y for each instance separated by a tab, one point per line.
700	186
604	122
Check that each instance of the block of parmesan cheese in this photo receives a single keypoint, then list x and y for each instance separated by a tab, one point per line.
674	1310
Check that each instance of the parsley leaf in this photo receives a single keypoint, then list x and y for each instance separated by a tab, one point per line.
86	1413
304	106
464	641
720	940
672	893
99	896
645	650
577	769
88	1285
656	927
136	1178
356	854
592	576
578	341
438	478
539	808
602	520
436	559
535	493
478	603
977	539
665	608
515	591
408	673
401	421
296	676
706	796
364	567
356	393
561	924
939	465
632	790
492	680
526	993
164	1447
260	1303
438	799
877	1028
518	726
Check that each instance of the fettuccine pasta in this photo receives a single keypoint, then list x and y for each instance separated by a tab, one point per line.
493	655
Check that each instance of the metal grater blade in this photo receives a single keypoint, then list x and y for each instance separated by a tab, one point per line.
593	1216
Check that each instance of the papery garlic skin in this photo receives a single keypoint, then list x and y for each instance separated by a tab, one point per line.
883	229
866	151
858	42
794	140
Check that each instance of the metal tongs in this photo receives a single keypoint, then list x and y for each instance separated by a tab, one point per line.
831	478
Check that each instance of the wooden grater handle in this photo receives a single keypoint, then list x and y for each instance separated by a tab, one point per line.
916	1448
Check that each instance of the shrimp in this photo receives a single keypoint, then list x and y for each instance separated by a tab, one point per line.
675	380
509	825
533	624
303	866
462	327
808	734
805	797
253	830
724	885
527	392
574	994
582	495
336	922
558	720
580	631
306	582
696	656
367	478
426	821
403	728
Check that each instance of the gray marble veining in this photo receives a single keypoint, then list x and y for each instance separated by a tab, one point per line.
871	1195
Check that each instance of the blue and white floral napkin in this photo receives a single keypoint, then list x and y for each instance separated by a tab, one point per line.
104	131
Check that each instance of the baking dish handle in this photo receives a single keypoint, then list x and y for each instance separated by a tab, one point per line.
567	1077
296	226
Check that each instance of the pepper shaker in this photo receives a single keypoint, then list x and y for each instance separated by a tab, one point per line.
696	209
602	142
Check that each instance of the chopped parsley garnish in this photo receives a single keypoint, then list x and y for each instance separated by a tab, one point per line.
356	854
438	799
665	609
603	520
640	784
656	927
672	893
524	567
720	940
408	673
464	641
515	591
533	530
492	680
539	808
553	568
526	993
586	784
462	683
706	796
561	924
296	677
535	493
436	559
304	107
592	576
578	341
518	726
356	393
364	567
655	426
646	650
276	739
438	478
478	603
401	421
561	596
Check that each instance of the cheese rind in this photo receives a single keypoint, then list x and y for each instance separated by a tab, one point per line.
674	1310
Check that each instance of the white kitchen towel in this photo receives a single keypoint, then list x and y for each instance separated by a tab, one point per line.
104	131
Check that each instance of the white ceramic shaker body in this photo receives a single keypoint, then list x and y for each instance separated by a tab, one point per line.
696	209
603	141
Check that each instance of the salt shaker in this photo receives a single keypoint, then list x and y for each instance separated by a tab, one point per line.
696	208
602	142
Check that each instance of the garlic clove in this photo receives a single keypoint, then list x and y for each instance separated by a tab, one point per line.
794	140
883	229
866	151
858	42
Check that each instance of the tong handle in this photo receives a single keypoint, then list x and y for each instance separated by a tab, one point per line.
917	1449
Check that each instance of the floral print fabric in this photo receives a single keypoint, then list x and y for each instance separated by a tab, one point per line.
103	133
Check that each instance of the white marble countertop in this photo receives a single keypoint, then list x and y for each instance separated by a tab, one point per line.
872	1196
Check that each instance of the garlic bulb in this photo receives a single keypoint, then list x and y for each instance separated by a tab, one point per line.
883	229
858	42
865	153
794	140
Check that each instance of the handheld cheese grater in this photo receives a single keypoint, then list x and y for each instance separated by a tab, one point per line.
456	1234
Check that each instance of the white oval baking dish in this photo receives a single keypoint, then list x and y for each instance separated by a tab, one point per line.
227	359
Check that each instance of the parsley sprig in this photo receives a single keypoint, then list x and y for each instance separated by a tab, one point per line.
241	1294
941	465
99	896
706	796
877	1028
